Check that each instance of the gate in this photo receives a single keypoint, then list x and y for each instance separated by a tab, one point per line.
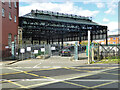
100	52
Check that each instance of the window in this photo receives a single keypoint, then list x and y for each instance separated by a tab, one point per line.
9	39
15	19
3	1
3	12
9	3
113	42
10	16
113	38
15	4
15	39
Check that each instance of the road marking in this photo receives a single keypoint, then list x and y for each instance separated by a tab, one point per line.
11	73
21	86
84	75
104	84
77	69
36	65
86	80
110	73
31	74
75	84
28	71
44	78
88	74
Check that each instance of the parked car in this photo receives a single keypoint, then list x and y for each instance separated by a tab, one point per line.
65	52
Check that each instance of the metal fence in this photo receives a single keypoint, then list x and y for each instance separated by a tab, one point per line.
106	51
27	51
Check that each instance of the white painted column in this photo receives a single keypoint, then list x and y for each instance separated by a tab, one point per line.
88	46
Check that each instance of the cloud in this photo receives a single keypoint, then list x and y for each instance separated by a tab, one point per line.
67	7
111	7
112	27
100	5
105	20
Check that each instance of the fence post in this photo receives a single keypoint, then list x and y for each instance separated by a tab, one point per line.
13	50
98	56
76	51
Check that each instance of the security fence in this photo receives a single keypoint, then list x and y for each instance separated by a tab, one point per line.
27	51
99	52
30	51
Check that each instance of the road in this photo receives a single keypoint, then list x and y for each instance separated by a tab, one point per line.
79	76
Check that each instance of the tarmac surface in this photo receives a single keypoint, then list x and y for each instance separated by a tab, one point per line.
47	74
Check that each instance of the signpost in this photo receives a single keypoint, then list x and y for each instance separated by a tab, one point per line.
22	51
29	49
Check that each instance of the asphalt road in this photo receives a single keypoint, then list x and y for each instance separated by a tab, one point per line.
85	76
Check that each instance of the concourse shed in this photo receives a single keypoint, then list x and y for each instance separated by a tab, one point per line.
53	27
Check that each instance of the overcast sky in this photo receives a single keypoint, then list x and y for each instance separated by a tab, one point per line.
104	12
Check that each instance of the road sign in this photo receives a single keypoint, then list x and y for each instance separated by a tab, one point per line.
28	48
35	51
52	48
22	50
42	49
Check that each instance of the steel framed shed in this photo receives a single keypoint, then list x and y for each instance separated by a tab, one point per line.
58	27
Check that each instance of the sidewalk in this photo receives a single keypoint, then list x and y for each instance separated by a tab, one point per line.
7	62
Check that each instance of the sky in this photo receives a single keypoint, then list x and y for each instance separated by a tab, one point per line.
104	12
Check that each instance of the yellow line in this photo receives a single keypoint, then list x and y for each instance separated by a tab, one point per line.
110	73
21	86
77	69
75	84
28	71
104	84
11	73
3	81
31	74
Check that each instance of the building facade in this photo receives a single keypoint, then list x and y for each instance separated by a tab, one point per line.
10	12
112	39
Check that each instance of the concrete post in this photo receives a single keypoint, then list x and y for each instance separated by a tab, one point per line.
76	51
13	50
88	46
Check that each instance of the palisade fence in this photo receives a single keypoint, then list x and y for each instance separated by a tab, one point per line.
27	51
105	51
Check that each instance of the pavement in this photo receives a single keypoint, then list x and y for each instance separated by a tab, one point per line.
59	72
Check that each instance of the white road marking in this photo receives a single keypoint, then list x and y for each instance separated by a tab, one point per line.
36	65
47	79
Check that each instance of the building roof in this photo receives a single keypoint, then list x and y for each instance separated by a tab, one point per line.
117	35
59	17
